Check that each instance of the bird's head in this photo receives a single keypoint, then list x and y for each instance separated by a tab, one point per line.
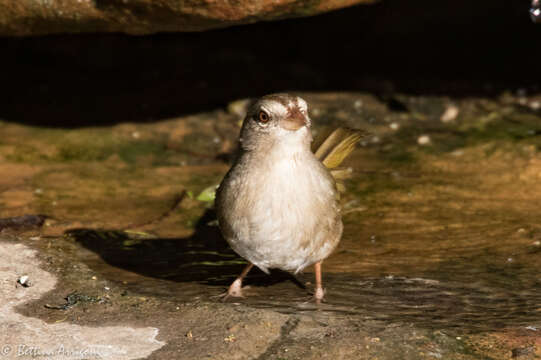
276	119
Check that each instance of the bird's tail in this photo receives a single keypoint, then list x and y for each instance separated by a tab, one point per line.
333	149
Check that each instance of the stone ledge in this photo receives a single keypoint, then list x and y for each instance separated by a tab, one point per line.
139	17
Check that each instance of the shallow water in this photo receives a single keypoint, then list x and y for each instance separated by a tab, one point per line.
475	278
443	236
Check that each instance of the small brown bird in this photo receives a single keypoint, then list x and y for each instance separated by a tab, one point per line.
278	204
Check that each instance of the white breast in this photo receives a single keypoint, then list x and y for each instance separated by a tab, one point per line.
292	199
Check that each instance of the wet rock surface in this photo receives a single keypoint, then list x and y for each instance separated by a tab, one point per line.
439	257
30	17
29	337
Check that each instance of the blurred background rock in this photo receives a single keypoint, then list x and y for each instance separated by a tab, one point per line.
455	48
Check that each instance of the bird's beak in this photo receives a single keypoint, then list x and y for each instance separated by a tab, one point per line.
295	121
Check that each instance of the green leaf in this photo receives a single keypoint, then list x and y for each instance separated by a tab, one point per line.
208	195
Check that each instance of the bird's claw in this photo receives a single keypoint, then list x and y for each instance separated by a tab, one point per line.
319	295
223	297
234	291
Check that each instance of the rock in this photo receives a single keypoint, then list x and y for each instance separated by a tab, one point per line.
30	337
394	126
165	276
522	351
38	17
424	140
23	280
450	114
22	222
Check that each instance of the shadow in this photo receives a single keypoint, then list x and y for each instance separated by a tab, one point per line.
471	294
203	258
456	48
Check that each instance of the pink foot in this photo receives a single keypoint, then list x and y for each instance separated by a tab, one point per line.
319	295
234	291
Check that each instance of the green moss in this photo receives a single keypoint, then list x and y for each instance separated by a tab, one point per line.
375	183
198	184
197	143
129	152
87	145
399	155
499	124
26	154
72	152
516	127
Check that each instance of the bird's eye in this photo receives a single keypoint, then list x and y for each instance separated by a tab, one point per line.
263	117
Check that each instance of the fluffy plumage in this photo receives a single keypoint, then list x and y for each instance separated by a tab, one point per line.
278	205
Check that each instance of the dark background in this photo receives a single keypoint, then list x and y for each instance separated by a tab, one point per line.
447	47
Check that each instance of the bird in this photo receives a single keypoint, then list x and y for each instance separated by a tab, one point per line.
278	205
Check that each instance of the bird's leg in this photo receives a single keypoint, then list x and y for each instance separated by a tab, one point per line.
235	289
318	295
